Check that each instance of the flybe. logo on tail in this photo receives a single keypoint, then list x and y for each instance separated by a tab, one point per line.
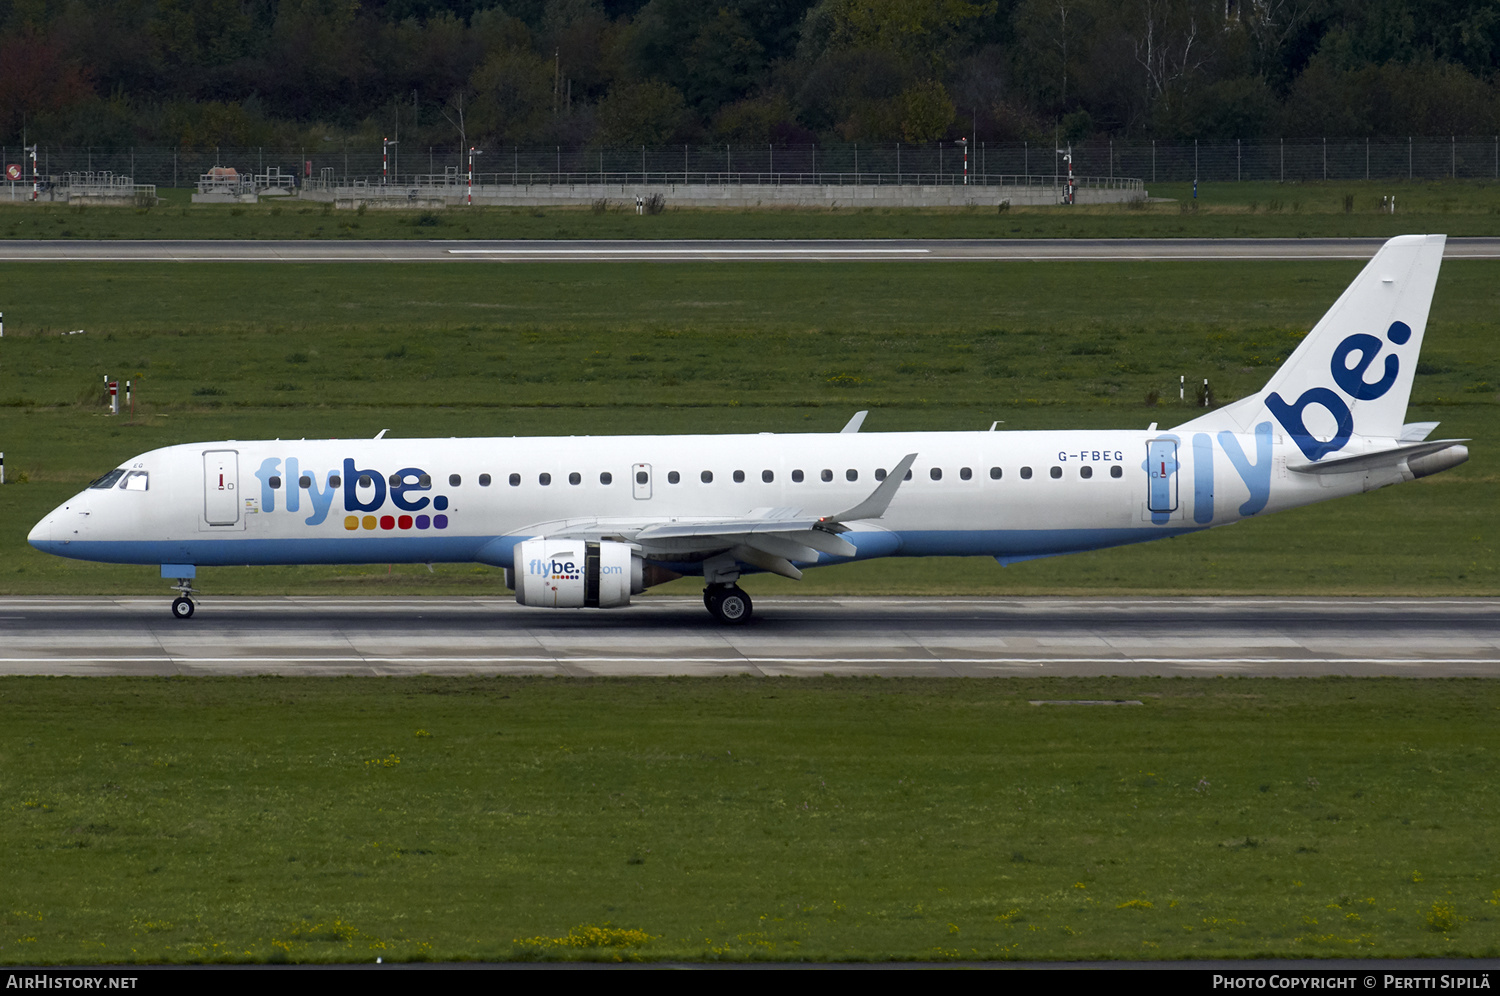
1351	380
364	491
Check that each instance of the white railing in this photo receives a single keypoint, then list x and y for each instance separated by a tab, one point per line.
440	181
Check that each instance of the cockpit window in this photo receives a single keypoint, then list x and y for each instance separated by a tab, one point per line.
108	480
136	480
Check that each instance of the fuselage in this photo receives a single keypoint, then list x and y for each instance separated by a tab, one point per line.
1009	495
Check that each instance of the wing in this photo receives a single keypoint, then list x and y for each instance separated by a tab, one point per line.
768	538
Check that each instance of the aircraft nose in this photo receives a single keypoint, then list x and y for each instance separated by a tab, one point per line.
47	535
41	533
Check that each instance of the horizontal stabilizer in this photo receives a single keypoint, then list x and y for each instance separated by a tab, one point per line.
1365	462
1415	432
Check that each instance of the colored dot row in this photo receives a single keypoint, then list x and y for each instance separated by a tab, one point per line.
395	522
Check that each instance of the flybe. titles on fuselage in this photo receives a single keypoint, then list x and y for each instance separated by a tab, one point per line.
364	491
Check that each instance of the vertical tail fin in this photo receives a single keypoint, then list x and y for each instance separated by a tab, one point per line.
1353	372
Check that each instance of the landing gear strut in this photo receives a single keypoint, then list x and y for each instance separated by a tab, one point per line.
182	605
727	603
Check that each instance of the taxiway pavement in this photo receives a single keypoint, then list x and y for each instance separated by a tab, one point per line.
309	251
935	637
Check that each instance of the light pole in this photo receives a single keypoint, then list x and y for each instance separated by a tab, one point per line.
965	143
35	177
472	153
385	159
1067	155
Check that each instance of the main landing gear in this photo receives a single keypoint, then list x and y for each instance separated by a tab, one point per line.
727	603
182	605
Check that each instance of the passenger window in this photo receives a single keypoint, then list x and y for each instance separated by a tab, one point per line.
851	475
673	477
739	477
365	481
484	481
827	476
454	480
544	479
995	473
641	477
767	476
425	480
1025	473
1085	472
275	483
304	481
707	477
936	473
515	480
335	481
796	477
907	477
965	474
395	481
575	478
1056	472
1115	471
606	478
879	473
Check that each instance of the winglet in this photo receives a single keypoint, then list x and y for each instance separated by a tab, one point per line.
854	423
874	506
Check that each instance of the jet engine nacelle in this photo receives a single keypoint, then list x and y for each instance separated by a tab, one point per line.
574	574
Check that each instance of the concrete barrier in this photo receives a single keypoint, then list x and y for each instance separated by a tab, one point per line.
1036	191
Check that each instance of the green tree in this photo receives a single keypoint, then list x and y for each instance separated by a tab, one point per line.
649	113
926	112
513	96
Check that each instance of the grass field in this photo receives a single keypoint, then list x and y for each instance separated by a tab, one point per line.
348	819
1260	210
284	350
446	819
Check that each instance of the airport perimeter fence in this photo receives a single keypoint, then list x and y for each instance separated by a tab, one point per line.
936	164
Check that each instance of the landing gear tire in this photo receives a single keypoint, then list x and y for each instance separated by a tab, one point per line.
730	606
183	607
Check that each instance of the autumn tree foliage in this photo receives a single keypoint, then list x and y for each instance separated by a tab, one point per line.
577	72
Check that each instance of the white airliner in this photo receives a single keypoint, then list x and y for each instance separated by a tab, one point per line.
591	521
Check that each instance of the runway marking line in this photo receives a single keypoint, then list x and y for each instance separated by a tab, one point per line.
809	661
682	251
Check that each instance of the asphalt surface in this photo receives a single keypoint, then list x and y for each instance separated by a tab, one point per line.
721	250
935	637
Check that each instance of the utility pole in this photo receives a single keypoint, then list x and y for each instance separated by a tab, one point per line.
463	136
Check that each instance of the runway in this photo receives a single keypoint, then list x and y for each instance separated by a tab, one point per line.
933	637
1035	250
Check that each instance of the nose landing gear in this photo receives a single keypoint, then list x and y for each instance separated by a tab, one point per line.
182	605
727	603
